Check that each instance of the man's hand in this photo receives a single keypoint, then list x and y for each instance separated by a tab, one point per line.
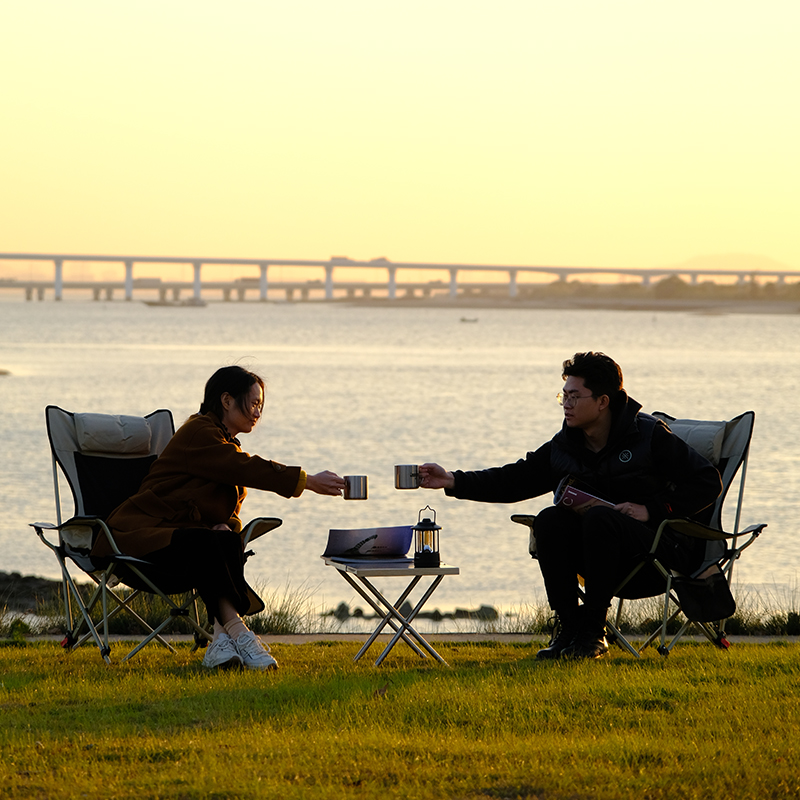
432	476
634	510
325	482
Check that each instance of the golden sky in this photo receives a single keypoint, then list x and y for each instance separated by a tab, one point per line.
609	133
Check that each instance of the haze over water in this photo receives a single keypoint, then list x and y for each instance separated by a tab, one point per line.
357	389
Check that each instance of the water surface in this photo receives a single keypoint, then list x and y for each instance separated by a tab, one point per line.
359	389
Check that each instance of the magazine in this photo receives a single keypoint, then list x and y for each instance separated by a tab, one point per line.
369	543
571	493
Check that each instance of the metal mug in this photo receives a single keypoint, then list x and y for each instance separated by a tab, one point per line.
355	487
406	476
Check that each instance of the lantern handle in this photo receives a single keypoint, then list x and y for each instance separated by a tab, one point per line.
428	508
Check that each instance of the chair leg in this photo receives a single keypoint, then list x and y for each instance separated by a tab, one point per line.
620	640
200	639
618	617
74	637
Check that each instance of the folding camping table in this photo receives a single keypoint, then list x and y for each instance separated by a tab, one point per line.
359	574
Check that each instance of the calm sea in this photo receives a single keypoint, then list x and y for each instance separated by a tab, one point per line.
359	389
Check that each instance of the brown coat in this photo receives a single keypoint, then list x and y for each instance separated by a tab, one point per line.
197	482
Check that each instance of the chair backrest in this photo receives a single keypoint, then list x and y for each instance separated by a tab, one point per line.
104	457
726	444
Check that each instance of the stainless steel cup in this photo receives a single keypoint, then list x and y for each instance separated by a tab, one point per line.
355	487
406	476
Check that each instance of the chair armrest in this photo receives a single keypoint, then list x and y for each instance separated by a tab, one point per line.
258	527
78	522
700	531
524	519
752	529
79	532
40	528
528	520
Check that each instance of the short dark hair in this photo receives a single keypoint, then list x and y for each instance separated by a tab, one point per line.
600	373
236	381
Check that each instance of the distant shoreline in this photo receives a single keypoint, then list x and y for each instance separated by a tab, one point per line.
703	306
709	307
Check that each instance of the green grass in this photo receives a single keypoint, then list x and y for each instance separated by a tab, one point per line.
703	724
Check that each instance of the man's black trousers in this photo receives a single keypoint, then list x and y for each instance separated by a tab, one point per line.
603	546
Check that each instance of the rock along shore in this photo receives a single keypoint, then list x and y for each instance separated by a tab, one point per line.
26	592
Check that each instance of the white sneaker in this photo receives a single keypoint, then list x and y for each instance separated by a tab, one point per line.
222	654
254	653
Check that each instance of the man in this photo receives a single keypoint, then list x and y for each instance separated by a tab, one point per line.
628	458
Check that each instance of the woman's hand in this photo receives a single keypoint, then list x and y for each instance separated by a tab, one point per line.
634	510
432	476
325	483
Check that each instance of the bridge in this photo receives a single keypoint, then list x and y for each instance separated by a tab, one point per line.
326	286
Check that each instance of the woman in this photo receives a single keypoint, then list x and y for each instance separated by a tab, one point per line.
184	518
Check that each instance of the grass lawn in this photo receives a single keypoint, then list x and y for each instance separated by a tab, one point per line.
703	723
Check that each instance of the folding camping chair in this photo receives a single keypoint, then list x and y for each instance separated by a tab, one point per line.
104	459
703	598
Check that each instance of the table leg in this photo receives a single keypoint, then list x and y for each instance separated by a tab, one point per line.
387	616
405	622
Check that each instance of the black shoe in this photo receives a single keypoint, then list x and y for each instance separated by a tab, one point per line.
586	646
558	644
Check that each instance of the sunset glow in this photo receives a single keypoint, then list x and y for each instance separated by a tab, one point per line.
513	132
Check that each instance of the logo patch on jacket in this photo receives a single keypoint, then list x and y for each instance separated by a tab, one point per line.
625	456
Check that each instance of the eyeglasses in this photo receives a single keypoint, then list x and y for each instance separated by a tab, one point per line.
569	400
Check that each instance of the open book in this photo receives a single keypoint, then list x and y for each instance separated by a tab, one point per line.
369	544
571	493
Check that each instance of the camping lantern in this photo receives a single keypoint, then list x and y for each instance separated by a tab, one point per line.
426	540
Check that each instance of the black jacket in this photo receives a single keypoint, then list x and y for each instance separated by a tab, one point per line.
643	462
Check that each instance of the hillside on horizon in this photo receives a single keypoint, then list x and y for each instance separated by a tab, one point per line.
737	261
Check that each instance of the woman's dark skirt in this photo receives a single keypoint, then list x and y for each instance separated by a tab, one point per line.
210	561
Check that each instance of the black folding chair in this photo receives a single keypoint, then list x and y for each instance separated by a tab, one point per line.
104	459
704	597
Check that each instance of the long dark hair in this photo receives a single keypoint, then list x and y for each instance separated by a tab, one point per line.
236	381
